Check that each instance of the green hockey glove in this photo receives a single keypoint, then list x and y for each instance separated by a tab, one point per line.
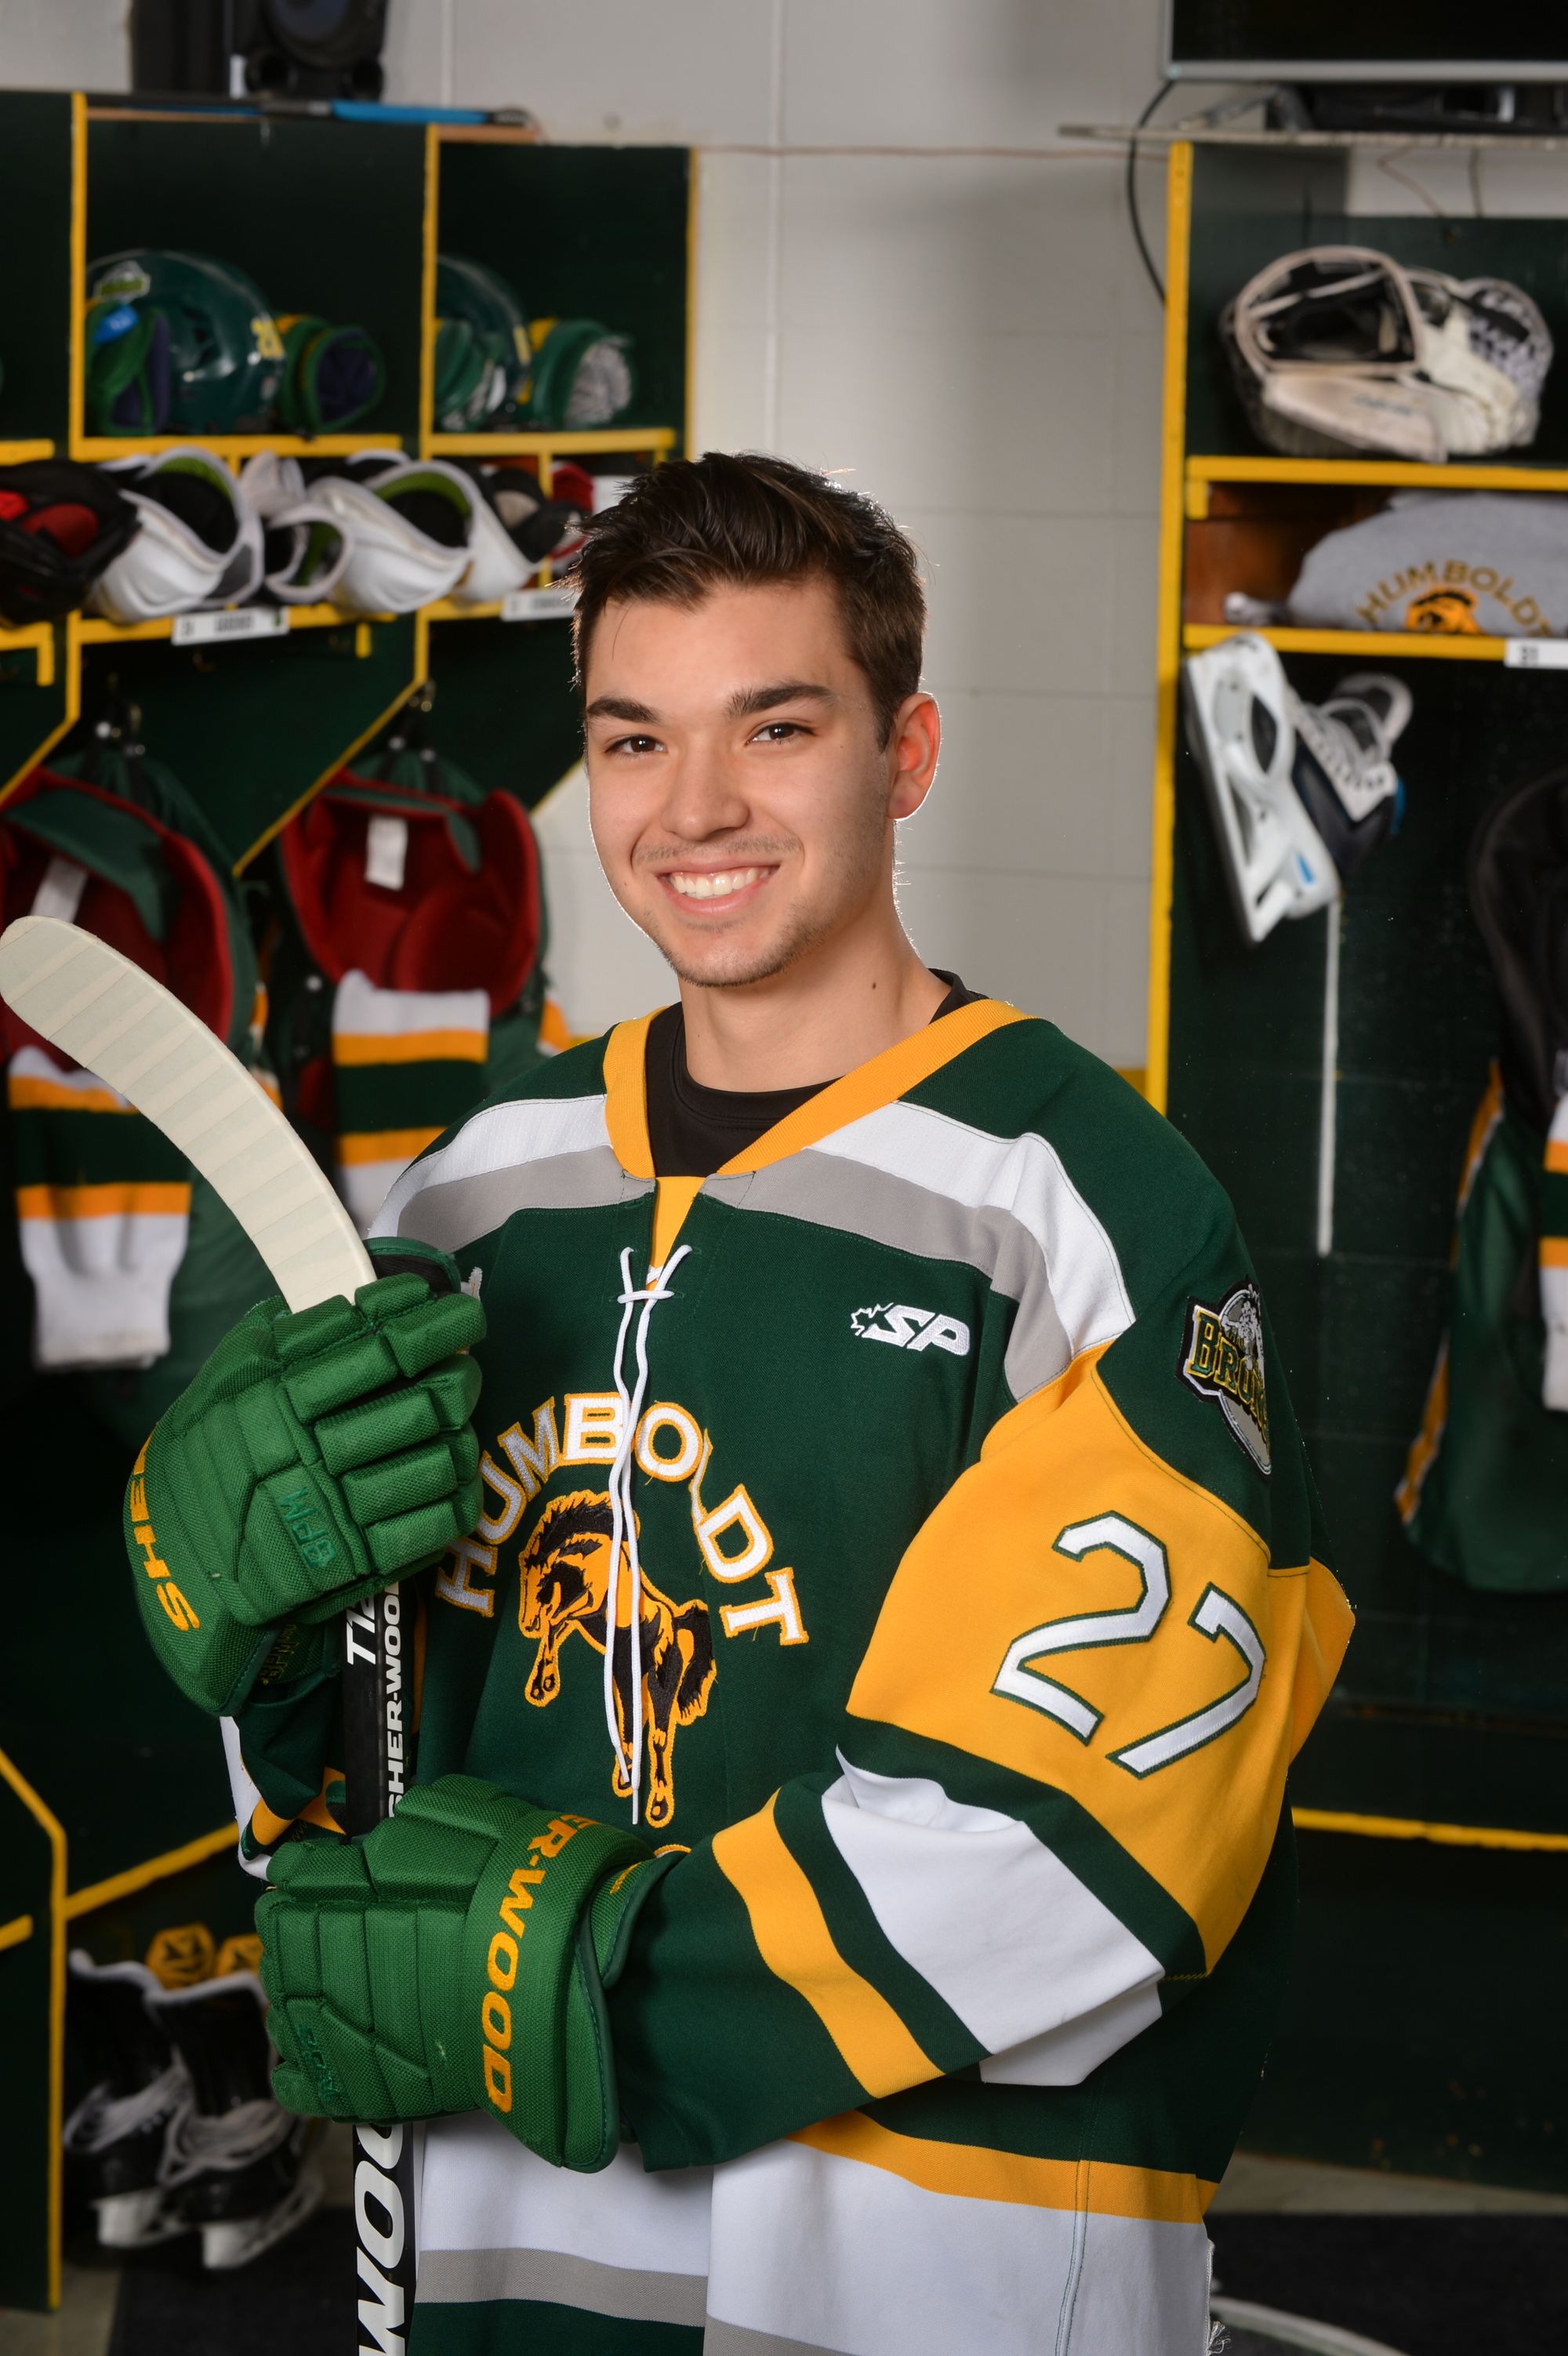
315	1458
455	1959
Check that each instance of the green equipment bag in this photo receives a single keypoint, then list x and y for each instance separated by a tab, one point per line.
1485	1494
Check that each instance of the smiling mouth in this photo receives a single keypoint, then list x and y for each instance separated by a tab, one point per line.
725	883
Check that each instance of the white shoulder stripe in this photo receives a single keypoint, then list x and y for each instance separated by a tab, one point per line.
1021	1176
532	1129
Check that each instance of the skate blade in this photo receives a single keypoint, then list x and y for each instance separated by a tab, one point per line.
136	2220
235	2242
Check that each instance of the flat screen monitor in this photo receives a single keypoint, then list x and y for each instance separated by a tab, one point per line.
1348	40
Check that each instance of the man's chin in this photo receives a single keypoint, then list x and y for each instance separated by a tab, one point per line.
734	964
722	966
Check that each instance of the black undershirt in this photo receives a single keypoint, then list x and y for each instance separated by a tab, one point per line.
694	1131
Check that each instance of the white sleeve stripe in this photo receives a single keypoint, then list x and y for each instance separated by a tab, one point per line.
1022	1176
1004	1931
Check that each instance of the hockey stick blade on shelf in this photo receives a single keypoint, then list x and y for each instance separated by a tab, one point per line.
116	1022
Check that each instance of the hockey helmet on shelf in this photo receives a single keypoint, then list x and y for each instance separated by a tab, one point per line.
483	352
1300	792
581	376
1338	348
178	342
332	376
197	541
60	524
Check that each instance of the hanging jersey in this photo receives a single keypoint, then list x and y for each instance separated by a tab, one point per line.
1485	1493
104	1202
408	983
971	1603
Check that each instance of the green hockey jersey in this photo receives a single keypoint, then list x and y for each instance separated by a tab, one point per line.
934	1469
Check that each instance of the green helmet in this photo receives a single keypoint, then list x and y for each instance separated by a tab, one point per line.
482	351
178	343
582	374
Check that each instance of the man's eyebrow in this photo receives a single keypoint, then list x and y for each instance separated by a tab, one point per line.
618	707
747	701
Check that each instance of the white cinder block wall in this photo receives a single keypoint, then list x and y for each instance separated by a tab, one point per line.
970	336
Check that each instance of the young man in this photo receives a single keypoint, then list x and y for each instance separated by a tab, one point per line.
847	1890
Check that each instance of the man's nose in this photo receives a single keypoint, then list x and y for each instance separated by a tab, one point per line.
704	796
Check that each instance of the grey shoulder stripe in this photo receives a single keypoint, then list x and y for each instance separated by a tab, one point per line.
462	1210
1022	1177
855	1199
504	1137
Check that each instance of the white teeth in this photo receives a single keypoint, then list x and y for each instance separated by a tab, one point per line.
716	887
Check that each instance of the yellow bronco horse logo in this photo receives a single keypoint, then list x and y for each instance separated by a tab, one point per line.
566	1582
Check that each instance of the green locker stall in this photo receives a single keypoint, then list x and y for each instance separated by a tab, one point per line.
116	1815
1330	1076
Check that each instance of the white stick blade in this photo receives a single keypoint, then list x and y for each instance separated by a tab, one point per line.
119	1023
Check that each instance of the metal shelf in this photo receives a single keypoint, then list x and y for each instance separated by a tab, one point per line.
1363	646
95	632
607	439
97	446
1390	473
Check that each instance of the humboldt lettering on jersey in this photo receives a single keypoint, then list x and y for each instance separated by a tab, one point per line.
1223	1361
910	1328
567	1575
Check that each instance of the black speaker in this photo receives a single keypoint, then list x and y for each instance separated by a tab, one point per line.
283	48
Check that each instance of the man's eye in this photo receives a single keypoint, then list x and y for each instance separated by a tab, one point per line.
634	745
779	731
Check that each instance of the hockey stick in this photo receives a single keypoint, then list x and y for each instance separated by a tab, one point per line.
119	1023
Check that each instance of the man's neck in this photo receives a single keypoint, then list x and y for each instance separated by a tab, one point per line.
832	1008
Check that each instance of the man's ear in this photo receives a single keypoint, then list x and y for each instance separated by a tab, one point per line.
915	741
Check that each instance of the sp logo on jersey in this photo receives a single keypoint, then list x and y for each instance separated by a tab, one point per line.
910	1328
1223	1360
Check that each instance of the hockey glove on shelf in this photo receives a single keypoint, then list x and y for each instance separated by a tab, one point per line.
457	1959
316	1458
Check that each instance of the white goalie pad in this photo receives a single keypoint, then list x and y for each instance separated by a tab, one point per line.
1241	725
1338	348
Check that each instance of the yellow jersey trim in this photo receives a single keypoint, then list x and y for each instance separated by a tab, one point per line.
365	1047
971	2172
795	1942
356	1146
114	1199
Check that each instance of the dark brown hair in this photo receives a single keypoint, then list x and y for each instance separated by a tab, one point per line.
740	518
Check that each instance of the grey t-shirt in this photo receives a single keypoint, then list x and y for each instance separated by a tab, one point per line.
1468	562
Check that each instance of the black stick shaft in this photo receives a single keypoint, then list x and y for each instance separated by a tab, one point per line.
377	1651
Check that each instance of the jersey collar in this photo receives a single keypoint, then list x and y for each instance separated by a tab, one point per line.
881	1081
